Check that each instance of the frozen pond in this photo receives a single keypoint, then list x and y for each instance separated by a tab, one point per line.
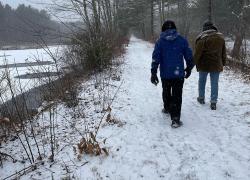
38	63
22	70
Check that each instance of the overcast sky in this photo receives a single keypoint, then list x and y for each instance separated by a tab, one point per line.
35	3
43	4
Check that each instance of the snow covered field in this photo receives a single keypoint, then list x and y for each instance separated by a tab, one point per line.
31	62
212	145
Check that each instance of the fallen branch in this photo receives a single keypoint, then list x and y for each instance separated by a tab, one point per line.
7	155
24	171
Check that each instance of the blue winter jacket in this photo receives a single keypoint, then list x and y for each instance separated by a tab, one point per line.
170	51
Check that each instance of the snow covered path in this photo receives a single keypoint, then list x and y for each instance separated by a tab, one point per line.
210	145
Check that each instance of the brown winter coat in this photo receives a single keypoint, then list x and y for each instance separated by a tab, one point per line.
210	52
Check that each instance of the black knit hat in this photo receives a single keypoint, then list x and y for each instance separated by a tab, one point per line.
168	25
208	25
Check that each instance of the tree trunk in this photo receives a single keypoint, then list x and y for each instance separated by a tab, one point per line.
183	19
143	30
163	9
210	10
152	18
237	45
160	12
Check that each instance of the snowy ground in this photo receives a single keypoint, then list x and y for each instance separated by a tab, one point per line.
211	145
15	59
230	45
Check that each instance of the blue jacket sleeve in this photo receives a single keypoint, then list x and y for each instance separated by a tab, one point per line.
156	58
188	55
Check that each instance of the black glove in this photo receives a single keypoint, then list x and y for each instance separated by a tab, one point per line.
154	79
187	72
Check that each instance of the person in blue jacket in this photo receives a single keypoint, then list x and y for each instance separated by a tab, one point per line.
171	49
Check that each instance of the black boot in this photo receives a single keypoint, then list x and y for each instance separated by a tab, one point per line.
213	106
176	123
201	100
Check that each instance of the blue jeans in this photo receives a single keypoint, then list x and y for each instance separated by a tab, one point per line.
214	79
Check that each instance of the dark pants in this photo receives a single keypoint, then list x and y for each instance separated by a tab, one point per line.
172	96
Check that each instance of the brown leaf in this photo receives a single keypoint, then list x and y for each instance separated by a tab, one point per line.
108	119
81	151
5	120
89	149
109	109
98	151
79	157
79	145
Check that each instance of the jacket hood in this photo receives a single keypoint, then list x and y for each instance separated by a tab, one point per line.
209	26
207	33
169	35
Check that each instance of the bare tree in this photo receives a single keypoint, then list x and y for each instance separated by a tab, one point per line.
210	10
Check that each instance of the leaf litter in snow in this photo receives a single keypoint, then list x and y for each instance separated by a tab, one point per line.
71	132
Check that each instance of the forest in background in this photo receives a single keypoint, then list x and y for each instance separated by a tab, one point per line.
98	25
231	17
26	25
142	17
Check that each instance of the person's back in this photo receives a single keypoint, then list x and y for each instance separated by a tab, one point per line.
173	48
210	55
170	51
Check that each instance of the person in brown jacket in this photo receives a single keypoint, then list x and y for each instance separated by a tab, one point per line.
209	57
